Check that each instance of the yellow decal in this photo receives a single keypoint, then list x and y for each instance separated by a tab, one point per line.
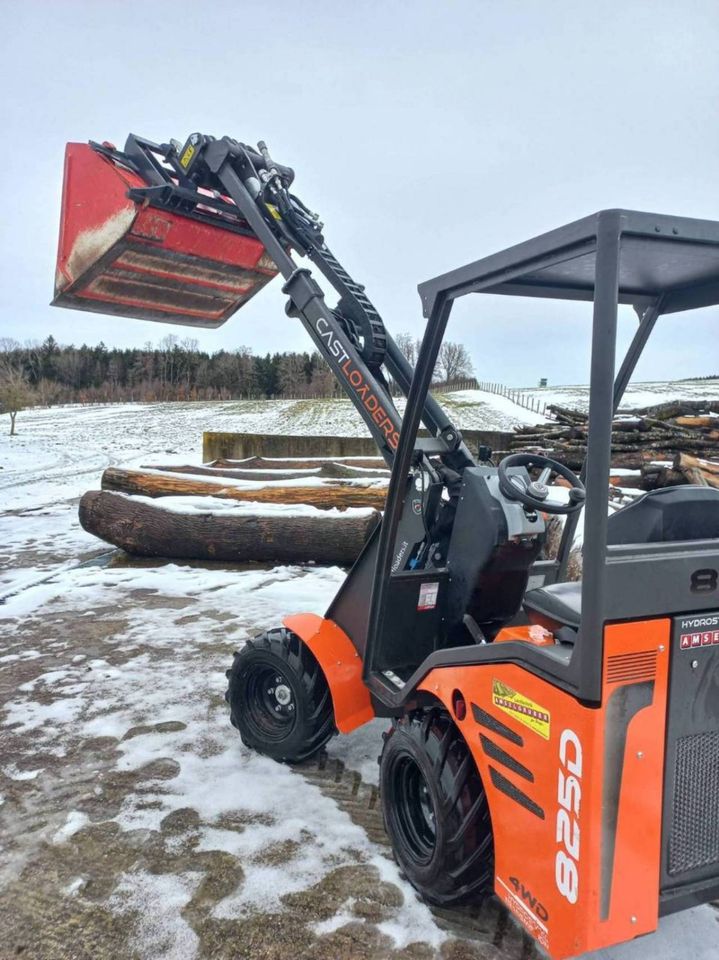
187	156
521	708
274	211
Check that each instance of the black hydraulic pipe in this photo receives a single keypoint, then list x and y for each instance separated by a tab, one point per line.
236	189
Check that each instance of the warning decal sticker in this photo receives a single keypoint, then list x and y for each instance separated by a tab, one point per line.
428	593
521	708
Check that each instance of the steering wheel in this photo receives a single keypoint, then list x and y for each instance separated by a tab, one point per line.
535	493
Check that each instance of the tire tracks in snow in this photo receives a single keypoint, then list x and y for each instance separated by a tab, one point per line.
96	561
489	924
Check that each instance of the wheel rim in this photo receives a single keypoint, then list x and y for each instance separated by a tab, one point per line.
414	811
270	708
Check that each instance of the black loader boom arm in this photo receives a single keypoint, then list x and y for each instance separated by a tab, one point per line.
198	177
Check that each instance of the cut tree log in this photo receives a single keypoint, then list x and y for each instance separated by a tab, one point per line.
677	408
566	415
624	481
204	471
705	421
703	472
631	423
655	476
268	463
152	530
329	470
338	493
683	460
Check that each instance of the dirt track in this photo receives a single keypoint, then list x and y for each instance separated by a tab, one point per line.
134	823
107	889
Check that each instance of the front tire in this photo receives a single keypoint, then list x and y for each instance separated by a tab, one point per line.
279	699
435	809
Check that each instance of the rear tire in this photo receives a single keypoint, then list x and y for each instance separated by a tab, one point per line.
279	699
435	809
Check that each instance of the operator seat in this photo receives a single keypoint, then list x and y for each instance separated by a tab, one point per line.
660	516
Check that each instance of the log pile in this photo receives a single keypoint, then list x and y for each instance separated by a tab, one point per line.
655	441
289	511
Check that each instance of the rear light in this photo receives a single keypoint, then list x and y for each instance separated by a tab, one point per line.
459	705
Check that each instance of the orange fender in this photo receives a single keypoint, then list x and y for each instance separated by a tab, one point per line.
341	665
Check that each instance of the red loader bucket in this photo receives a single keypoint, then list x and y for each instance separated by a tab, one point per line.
132	260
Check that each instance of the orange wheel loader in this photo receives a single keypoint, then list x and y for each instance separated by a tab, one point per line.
554	743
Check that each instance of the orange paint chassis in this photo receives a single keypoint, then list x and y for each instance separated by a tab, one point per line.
341	666
575	792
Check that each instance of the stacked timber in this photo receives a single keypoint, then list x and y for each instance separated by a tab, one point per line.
650	442
253	510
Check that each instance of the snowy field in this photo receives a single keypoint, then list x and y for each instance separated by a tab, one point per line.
133	822
637	395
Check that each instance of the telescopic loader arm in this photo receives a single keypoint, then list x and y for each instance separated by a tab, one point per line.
227	183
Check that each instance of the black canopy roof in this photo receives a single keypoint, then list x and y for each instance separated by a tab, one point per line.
676	258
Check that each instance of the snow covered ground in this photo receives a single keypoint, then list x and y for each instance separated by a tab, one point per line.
133	822
59	452
637	395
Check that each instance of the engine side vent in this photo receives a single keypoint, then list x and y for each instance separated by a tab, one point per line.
632	667
694	837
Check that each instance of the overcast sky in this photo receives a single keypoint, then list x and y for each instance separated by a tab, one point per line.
427	134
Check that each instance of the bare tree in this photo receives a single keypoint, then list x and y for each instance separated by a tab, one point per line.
453	362
15	393
409	346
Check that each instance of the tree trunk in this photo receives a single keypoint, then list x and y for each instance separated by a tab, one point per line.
152	530
270	463
654	477
326	470
705	421
12	422
253	475
337	494
683	460
703	472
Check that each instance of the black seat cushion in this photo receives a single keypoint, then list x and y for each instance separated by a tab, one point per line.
555	606
661	516
666	515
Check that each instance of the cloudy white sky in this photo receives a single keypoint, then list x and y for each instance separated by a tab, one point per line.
426	134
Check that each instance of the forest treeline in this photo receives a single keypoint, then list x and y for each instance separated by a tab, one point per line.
176	369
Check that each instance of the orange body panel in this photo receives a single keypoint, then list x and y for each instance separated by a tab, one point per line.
577	813
341	665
